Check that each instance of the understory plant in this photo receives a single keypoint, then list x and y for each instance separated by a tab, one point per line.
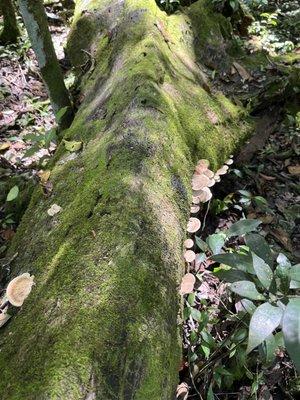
244	325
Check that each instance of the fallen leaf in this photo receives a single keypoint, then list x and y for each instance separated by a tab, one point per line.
44	175
294	169
187	284
4	146
244	74
72	145
267	178
283	238
212	117
54	209
7	234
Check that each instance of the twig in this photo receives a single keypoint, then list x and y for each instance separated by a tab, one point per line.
205	216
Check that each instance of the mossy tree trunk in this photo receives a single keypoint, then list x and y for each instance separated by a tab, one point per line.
102	321
10	32
35	20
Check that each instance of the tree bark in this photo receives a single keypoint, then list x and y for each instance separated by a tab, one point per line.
102	321
10	32
35	20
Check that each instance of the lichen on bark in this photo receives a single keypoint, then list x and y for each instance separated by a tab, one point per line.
102	320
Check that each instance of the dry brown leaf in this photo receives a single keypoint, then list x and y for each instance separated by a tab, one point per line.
283	238
4	146
187	284
244	74
212	117
294	169
267	177
44	175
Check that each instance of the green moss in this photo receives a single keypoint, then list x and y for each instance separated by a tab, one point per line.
102	318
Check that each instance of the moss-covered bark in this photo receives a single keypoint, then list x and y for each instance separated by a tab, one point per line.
10	32
102	320
36	24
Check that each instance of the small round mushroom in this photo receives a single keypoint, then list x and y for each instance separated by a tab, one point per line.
217	178
229	161
223	170
188	243
195	200
193	225
205	195
199	182
195	209
19	288
189	256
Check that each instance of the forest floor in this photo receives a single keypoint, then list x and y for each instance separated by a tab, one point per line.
262	184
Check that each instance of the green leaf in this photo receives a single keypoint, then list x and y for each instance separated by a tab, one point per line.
246	289
59	115
230	274
259	246
196	314
291	330
216	242
264	321
263	271
201	244
242	227
13	193
72	146
248	306
269	348
235	260
295	272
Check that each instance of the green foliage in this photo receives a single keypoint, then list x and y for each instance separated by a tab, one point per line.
264	282
169	5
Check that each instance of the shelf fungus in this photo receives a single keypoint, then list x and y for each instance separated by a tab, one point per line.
199	182
193	225
19	289
188	243
189	256
205	195
187	284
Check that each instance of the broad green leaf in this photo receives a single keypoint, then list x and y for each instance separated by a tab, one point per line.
201	244
291	330
242	262
295	272
269	348
72	145
230	274
264	321
283	260
263	271
259	246
13	193
246	289
216	242
242	227
294	284
196	314
248	306
61	113
191	299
